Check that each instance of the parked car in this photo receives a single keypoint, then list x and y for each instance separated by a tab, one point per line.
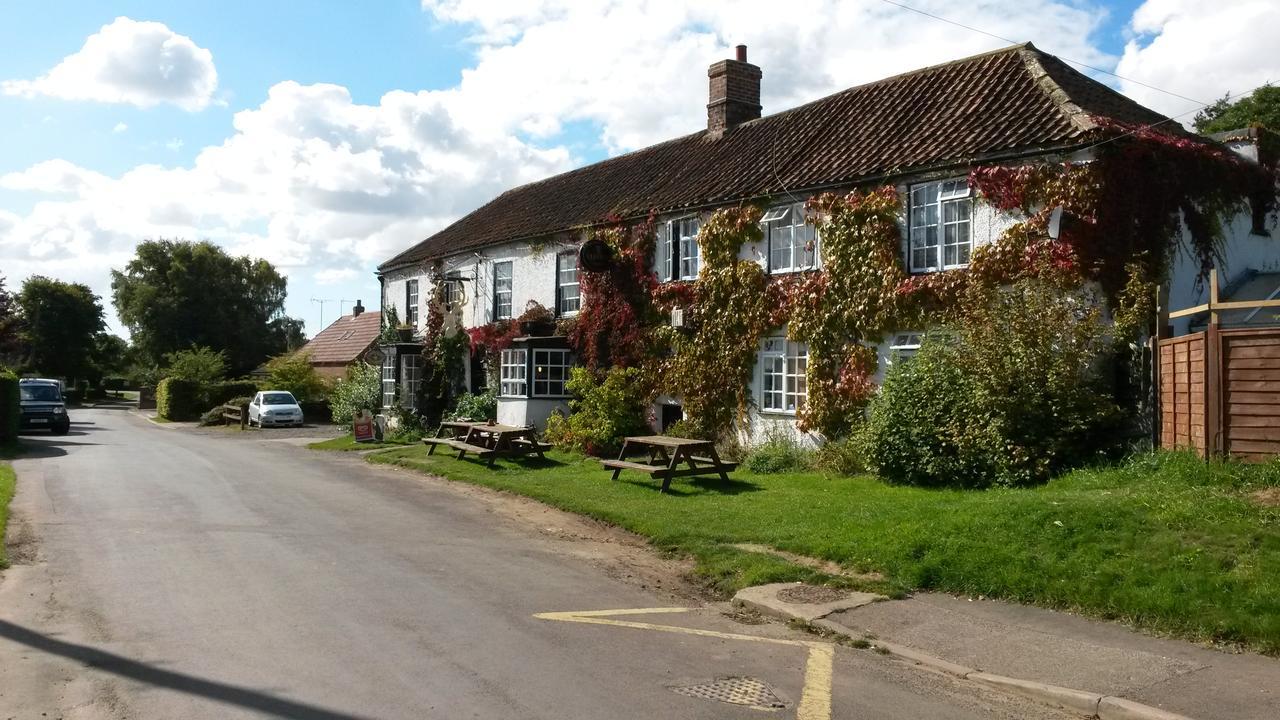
42	406
275	407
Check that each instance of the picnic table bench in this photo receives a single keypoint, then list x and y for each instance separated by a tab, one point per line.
487	440
666	454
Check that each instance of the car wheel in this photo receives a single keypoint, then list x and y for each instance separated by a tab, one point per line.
62	429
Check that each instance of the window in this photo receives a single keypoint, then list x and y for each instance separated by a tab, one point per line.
784	386
550	370
411	302
678	256
568	296
410	377
389	380
502	291
905	344
940	232
451	293
793	243
513	376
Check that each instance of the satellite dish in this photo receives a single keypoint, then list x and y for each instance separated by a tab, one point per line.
1055	222
595	256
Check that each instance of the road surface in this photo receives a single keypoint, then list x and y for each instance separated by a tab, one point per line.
169	573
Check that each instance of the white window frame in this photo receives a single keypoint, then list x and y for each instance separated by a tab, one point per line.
411	302
679	257
504	297
545	360
784	386
568	290
905	344
389	380
953	197
410	377
786	224
514	373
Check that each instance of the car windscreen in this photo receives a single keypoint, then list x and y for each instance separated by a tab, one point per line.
39	393
278	399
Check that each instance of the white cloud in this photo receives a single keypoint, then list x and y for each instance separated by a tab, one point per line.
1199	50
333	276
119	128
175	144
128	61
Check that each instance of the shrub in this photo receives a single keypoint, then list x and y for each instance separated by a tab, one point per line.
113	384
295	373
477	407
778	454
199	364
178	399
221	393
603	413
1012	396
842	458
212	416
9	405
360	390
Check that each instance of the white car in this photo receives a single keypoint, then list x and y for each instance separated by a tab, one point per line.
274	407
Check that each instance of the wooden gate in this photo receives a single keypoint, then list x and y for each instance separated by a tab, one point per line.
1182	392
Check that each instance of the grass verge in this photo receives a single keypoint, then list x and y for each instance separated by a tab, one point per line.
7	482
1164	542
348	443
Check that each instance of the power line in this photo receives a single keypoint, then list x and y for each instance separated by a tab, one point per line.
1062	57
1171	118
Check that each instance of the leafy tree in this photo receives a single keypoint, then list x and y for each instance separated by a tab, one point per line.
175	294
60	324
10	324
1262	107
296	374
199	364
360	390
110	355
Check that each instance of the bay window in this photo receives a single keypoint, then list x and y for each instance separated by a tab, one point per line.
514	378
550	372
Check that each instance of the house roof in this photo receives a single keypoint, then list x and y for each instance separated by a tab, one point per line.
1007	103
345	340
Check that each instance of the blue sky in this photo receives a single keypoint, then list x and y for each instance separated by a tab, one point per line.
337	134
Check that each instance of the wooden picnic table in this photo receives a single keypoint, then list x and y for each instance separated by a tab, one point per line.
666	455
487	440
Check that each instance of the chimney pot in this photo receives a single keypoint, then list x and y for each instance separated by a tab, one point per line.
734	96
357	309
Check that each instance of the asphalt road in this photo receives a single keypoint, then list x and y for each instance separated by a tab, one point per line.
165	573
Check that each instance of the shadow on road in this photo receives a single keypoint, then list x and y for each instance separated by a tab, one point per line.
191	685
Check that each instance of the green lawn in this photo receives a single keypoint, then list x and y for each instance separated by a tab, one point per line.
348	443
7	481
1164	542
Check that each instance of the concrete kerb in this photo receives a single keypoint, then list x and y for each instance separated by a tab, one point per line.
1090	704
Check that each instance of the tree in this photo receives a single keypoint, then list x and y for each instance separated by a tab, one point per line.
360	390
175	295
10	324
110	355
296	374
199	364
1261	107
60	324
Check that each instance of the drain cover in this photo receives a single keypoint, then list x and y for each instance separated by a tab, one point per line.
736	690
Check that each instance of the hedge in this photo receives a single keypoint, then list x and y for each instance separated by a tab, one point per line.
178	399
9	406
220	393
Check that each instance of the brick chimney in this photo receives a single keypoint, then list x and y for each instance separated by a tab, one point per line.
357	309
735	93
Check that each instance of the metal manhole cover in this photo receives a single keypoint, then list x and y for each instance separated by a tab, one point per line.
736	690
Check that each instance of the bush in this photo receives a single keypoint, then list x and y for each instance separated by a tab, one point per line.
179	399
295	373
476	407
220	393
199	365
778	454
113	384
9	405
603	413
1012	396
841	458
212	416
360	390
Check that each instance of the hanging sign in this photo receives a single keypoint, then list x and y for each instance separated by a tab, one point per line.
595	255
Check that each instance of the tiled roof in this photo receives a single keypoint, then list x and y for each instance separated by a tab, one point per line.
1006	103
345	340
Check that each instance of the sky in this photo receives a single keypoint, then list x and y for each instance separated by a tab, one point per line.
326	137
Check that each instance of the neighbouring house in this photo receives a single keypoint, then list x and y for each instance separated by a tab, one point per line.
346	341
921	132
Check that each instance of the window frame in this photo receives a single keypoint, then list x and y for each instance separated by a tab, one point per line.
790	213
565	358
561	295
411	365
509	383
499	292
673	253
950	193
785	361
388	377
411	298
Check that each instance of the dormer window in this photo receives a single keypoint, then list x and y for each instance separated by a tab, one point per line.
793	243
941	236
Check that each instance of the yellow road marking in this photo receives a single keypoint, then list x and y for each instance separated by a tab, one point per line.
815	698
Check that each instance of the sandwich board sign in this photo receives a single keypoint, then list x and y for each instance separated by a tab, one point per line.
362	426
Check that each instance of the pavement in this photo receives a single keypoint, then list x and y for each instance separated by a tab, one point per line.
1069	651
170	573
